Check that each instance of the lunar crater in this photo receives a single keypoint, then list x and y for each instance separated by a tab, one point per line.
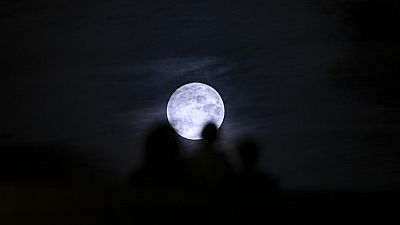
192	106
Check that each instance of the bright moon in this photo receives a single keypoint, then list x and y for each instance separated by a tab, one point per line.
193	106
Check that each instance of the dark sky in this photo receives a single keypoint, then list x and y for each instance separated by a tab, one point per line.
315	81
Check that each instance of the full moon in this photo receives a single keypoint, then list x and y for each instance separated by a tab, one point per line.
192	106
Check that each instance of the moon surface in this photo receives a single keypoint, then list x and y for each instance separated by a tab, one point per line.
192	106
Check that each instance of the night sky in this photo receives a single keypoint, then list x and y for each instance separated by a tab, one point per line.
314	81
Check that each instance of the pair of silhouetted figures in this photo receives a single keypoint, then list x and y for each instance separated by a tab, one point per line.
164	165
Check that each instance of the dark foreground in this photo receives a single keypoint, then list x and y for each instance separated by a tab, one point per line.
123	205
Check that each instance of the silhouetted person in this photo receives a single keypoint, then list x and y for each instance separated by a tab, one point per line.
210	134
251	179
210	167
163	164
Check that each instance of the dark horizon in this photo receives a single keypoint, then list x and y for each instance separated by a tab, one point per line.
314	81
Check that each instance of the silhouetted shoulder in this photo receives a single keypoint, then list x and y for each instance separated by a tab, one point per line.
163	164
258	181
251	178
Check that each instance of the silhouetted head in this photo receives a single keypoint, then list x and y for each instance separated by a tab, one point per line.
161	146
249	152
210	133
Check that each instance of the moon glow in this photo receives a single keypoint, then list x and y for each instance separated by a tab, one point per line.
192	106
